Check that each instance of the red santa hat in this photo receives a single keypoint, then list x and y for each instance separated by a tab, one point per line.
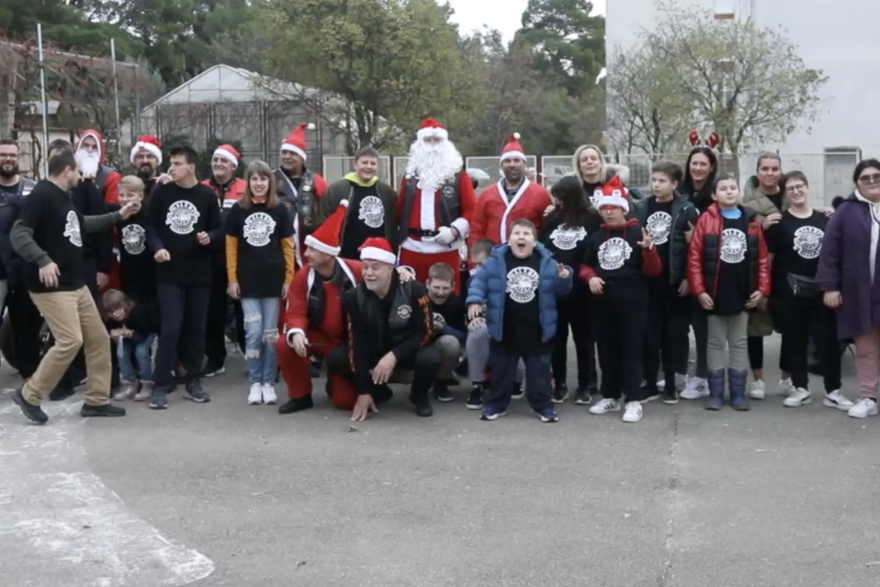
377	249
227	152
613	194
296	140
147	143
431	128
327	236
512	149
90	132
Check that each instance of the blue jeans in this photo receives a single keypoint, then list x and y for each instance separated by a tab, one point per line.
260	335
137	348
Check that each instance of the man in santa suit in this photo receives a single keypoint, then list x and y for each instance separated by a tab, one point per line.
299	188
512	198
435	202
314	321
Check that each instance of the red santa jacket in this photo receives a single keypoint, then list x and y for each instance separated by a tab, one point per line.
228	194
296	320
427	214
494	214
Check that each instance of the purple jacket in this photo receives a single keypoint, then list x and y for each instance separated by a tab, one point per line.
844	266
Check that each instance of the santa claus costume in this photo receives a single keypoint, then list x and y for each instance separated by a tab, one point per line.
435	202
299	188
315	312
500	204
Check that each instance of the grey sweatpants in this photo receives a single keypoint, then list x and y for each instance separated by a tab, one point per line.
728	333
477	353
450	351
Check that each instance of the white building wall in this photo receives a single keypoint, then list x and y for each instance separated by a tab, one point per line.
839	38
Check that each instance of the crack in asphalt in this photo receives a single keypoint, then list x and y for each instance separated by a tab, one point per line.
671	491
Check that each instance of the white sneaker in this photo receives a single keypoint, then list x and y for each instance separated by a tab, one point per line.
255	397
864	407
633	412
799	397
604	406
838	401
269	395
786	387
696	388
681	380
757	390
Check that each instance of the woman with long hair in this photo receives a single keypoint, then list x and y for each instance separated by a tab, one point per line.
565	232
590	168
259	266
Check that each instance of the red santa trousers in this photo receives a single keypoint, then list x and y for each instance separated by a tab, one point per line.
296	374
422	262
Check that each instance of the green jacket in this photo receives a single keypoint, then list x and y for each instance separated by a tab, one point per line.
760	322
343	190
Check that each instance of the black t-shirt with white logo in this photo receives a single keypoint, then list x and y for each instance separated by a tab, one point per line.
616	257
450	313
733	276
58	231
365	219
522	318
659	225
178	214
137	269
259	231
795	244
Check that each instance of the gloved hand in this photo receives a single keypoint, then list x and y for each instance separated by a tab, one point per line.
445	236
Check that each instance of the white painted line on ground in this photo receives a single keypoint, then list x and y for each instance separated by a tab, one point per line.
59	523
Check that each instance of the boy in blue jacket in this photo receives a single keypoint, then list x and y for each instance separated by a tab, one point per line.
519	285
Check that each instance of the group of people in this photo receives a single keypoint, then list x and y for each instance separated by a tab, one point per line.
141	275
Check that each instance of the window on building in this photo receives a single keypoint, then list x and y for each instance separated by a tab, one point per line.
725	9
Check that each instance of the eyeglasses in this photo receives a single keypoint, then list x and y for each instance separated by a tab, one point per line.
798	187
875	178
8	155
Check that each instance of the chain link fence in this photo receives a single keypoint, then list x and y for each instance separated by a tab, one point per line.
336	167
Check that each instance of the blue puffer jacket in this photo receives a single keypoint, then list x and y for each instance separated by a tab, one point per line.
488	286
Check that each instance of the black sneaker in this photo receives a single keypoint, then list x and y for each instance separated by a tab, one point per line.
518	391
422	406
195	393
670	395
451	382
560	393
32	412
582	396
650	394
442	393
213	369
61	393
475	399
105	411
314	370
382	395
158	400
296	405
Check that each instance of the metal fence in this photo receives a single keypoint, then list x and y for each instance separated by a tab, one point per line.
336	167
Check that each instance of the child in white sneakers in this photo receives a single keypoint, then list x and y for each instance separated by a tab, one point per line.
134	327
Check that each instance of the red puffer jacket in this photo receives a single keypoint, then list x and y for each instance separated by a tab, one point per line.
704	256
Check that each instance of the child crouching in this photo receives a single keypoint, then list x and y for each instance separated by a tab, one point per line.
134	327
519	285
728	273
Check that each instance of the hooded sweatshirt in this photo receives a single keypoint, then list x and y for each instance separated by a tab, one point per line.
106	178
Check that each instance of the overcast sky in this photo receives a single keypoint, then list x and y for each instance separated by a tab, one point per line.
504	15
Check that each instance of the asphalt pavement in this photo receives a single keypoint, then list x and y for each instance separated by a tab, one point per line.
226	494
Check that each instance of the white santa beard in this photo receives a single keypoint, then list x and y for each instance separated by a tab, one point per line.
433	165
89	162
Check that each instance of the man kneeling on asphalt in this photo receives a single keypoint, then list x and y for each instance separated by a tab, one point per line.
390	328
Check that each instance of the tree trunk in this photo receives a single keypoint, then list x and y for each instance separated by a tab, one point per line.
8	80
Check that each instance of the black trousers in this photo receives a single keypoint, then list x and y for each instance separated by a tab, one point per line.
25	320
666	335
701	339
800	320
503	361
183	311
620	319
756	352
573	314
425	366
215	332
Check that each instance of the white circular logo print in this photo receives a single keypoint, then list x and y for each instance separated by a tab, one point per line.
439	319
597	193
808	241
372	212
566	239
134	239
258	229
71	229
613	253
659	225
733	245
182	217
522	284
404	311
